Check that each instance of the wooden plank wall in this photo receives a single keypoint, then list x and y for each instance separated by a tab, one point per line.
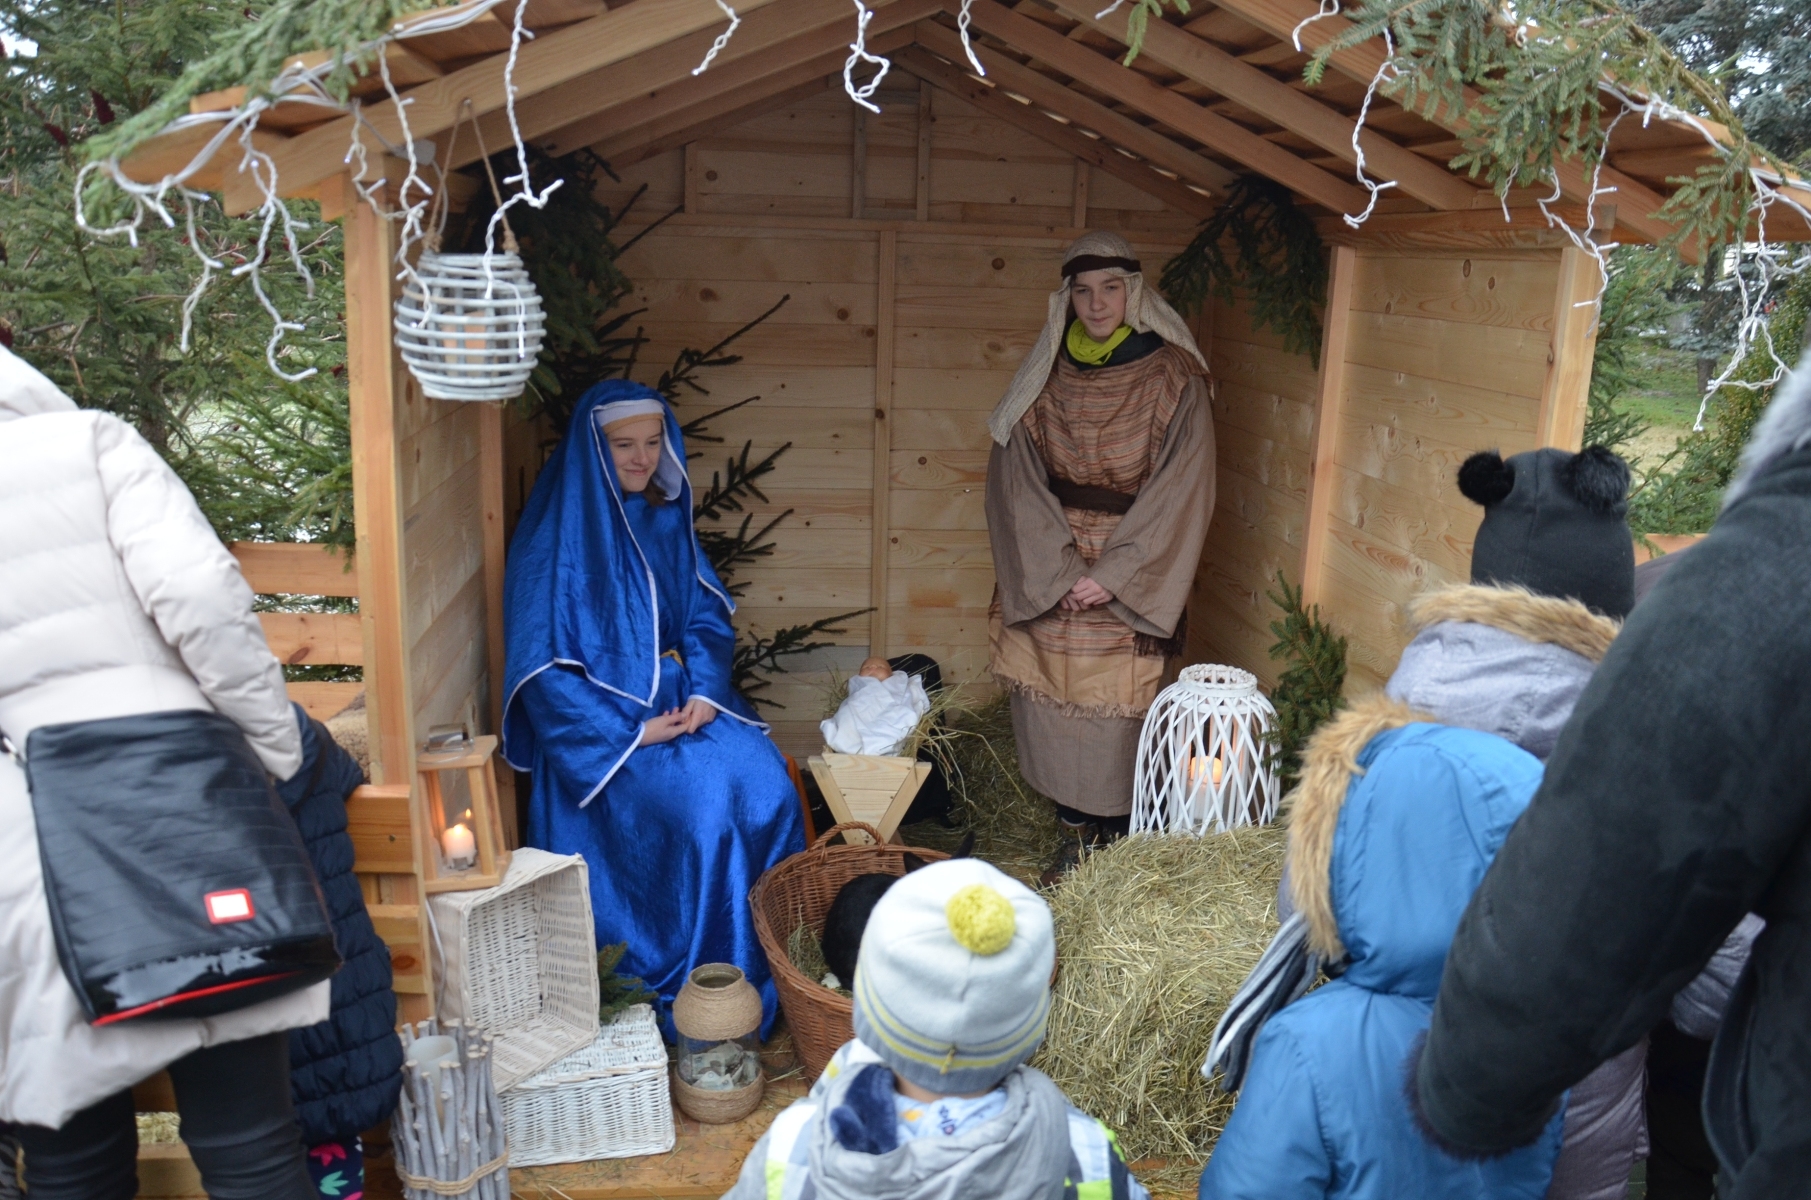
771	213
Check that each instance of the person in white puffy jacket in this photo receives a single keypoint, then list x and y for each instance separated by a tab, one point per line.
116	598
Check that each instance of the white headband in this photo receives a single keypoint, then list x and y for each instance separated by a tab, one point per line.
623	410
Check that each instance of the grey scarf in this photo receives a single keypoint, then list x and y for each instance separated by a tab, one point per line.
1022	1154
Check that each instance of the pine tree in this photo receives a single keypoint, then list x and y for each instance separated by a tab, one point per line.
1311	689
103	318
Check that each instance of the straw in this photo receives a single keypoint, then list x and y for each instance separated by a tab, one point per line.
1154	936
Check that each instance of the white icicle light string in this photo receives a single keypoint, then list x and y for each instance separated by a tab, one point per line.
962	20
722	39
295	84
858	53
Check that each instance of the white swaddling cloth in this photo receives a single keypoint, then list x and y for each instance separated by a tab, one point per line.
878	715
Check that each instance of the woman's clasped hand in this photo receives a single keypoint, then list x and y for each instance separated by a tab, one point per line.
696	714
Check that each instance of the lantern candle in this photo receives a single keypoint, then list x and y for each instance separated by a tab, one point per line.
460	848
1199	770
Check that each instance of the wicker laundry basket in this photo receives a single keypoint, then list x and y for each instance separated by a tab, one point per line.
609	1100
797	891
520	961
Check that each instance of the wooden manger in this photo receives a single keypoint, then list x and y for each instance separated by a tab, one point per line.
875	789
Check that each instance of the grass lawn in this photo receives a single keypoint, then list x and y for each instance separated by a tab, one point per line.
1666	397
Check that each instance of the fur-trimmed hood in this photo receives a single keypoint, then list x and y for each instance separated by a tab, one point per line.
1501	660
1394	823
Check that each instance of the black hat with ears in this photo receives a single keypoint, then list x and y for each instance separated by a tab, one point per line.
1555	523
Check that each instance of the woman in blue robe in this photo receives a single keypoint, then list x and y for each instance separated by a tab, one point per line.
645	759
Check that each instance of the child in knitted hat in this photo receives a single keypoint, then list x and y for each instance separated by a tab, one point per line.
932	1098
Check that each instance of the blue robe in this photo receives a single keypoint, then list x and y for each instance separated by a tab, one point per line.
613	615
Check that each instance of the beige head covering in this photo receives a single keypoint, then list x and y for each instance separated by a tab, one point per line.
1146	311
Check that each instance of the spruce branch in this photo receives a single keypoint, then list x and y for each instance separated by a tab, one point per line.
689	361
763	654
1310	690
1260	243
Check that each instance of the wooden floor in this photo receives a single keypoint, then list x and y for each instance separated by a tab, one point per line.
703	1162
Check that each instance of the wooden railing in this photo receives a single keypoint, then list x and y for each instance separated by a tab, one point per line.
312	639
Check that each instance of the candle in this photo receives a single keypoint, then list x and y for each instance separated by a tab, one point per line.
1201	769
460	847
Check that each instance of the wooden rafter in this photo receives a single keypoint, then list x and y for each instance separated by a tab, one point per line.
1275	100
1635	201
551	59
1178	112
1095	152
784	34
1150	144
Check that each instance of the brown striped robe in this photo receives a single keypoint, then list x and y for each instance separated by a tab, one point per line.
1082	681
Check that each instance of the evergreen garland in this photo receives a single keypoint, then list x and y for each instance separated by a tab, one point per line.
1540	83
1309	691
1259	243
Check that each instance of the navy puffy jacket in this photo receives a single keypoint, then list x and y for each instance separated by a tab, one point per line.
346	1071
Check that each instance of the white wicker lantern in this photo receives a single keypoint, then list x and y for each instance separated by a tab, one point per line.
470	329
1203	761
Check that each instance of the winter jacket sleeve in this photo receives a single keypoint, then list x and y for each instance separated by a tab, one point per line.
1673	798
190	586
1698	1008
1273	1147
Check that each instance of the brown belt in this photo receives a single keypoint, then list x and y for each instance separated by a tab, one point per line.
1093	499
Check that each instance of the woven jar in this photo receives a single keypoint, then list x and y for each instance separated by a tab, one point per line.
717	1078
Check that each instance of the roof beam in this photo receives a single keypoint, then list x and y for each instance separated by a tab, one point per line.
1160	103
1635	201
1275	100
618	36
1149	144
1095	152
592	109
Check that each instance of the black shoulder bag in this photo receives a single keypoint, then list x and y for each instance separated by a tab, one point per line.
178	884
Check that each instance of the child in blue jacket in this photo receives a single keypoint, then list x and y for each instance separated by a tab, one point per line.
1394	825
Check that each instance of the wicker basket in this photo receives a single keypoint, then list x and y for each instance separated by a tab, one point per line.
520	961
607	1101
799	890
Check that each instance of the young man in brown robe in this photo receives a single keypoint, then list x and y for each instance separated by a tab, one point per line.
1099	490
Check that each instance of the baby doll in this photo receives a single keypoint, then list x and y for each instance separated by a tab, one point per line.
882	709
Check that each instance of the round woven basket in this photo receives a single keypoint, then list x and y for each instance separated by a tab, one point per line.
716	1107
799	891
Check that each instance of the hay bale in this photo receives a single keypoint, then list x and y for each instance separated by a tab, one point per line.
1015	828
1154	936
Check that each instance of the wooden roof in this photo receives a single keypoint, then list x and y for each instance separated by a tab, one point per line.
1212	95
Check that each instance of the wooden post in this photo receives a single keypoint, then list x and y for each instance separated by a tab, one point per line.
925	91
858	166
491	456
883	441
1335	333
373	383
1079	217
1567	394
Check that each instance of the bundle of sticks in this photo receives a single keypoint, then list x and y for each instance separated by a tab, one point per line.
448	1127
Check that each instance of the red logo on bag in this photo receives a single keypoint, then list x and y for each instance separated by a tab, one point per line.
226	907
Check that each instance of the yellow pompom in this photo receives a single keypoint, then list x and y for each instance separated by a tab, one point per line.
981	919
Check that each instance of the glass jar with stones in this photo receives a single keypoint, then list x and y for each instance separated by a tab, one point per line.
717	1076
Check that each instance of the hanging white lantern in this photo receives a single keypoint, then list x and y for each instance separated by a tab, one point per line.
1203	757
469	326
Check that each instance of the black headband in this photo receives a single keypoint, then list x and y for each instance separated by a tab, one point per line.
1098	262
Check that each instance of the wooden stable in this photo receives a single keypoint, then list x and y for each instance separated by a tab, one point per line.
918	246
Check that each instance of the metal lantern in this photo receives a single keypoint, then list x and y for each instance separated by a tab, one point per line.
1203	759
469	326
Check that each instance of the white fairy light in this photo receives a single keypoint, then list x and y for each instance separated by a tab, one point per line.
1328	8
1385	70
722	39
858	53
962	20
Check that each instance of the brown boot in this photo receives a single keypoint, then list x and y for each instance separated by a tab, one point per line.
1077	841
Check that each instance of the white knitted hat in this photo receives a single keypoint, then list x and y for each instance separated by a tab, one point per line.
952	988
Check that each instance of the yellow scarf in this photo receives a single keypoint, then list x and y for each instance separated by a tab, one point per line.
1084	349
